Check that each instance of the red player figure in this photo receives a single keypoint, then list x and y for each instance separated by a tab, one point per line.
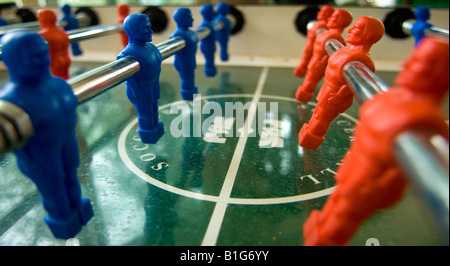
335	95
123	10
338	21
369	178
323	15
58	42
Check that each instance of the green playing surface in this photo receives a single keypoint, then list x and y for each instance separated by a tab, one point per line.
238	179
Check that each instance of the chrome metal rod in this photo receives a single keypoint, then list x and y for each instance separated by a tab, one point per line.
33	25
364	83
89	85
311	24
432	31
362	80
98	80
171	46
97	31
332	45
15	126
83	21
425	164
202	33
93	32
424	157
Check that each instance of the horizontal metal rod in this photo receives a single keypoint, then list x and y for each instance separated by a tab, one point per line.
364	83
102	30
332	45
93	32
423	162
98	80
17	125
432	31
424	157
83	21
32	25
171	46
86	33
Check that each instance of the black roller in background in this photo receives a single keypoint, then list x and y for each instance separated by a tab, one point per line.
304	17
94	19
239	19
393	22
26	15
157	17
7	5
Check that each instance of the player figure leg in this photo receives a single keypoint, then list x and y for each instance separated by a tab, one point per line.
210	67
76	50
313	133
71	162
188	88
46	171
157	124
316	71
149	129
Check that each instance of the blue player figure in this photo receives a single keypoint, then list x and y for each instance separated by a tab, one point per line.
50	158
184	61
208	44
72	24
143	87
422	15
223	9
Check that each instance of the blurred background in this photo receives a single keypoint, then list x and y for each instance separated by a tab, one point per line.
377	3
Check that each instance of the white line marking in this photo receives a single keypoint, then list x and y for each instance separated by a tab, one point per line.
195	195
212	232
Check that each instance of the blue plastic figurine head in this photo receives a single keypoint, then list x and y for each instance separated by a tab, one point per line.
138	28
66	10
223	8
25	53
422	13
207	12
183	17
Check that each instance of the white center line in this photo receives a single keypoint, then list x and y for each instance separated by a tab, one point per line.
212	232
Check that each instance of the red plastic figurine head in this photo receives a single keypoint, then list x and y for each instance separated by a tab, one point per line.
325	12
46	18
123	10
365	32
426	71
340	19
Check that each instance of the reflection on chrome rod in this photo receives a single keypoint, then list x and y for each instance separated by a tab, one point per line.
98	80
432	31
92	32
83	21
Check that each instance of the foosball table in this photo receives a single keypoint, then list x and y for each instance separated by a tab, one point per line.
169	142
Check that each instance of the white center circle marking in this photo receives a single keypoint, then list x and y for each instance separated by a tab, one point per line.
245	201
